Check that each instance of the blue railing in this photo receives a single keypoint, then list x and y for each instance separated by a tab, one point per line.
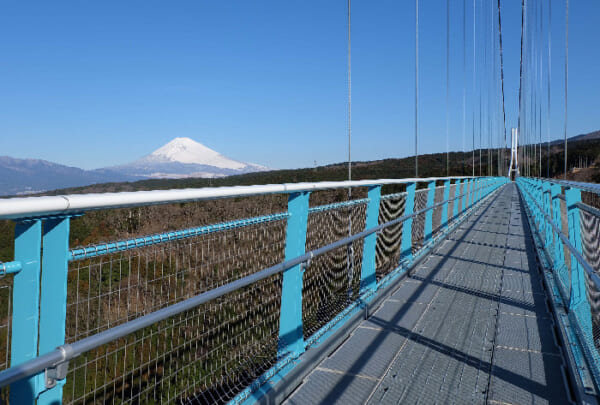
567	234
209	313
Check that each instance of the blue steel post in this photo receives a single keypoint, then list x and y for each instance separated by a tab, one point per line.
457	201
291	335
557	247
573	196
428	231
409	207
445	206
368	279
25	308
53	308
548	210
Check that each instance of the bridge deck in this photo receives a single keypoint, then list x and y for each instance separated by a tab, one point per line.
470	324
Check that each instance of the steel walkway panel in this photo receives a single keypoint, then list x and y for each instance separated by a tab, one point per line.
469	325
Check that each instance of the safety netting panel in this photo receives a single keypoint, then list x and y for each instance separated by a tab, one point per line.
389	239
212	349
590	240
451	202
437	211
203	356
6	283
564	274
332	280
418	225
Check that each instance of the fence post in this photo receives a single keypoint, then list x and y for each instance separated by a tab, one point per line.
445	206
548	209
25	307
409	207
457	201
573	196
368	279
291	335
53	308
428	231
559	253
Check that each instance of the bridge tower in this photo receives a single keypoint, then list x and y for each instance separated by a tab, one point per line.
514	156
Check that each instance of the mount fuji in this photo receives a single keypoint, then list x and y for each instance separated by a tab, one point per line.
184	157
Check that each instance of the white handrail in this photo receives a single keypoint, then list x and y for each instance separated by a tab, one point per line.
24	207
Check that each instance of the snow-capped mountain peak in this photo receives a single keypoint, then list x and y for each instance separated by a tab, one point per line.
184	157
188	151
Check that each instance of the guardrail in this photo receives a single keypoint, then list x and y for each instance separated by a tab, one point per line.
569	231
204	314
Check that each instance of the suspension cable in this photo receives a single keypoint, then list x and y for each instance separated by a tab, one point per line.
416	88
447	85
502	71
566	77
519	121
474	54
549	86
349	101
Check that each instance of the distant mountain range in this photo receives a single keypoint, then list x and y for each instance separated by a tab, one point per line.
180	158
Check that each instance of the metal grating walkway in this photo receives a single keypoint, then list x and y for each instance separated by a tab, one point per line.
470	325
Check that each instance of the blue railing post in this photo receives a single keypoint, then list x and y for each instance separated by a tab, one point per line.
548	209
428	231
445	206
25	307
409	208
53	308
291	335
368	279
573	196
557	247
457	202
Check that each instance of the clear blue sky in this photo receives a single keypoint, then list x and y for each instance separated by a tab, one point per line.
98	83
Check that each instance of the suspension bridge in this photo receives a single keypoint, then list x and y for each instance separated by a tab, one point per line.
450	289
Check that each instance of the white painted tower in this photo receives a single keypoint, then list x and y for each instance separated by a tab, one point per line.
514	156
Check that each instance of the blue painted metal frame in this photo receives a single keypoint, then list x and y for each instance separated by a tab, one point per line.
428	231
368	279
25	308
457	202
577	296
291	336
42	328
53	308
409	208
557	246
446	196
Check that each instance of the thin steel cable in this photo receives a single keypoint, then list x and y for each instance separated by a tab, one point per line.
474	71
349	100
416	88
549	86
447	86
519	120
502	72
566	77
464	118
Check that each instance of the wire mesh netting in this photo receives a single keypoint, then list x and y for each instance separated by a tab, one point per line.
5	322
390	238
590	240
452	202
207	354
437	211
332	280
418	225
